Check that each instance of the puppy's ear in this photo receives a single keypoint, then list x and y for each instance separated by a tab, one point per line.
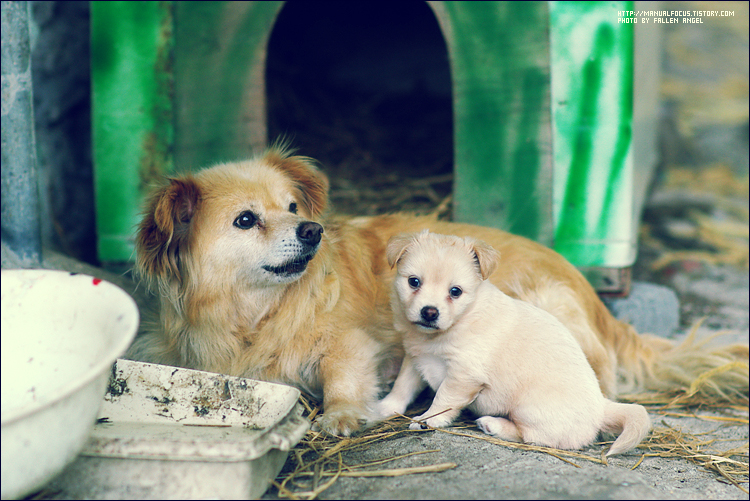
486	257
397	246
163	233
310	181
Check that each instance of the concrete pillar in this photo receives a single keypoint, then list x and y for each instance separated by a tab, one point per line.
20	199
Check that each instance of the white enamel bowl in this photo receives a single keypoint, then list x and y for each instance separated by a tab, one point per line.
61	333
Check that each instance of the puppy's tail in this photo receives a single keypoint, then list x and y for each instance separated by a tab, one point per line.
691	369
631	421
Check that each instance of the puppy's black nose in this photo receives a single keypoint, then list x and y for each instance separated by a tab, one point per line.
429	313
309	233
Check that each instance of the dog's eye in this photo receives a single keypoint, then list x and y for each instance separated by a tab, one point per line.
414	282
246	220
455	292
293	207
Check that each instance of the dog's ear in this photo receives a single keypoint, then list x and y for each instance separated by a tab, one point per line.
165	228
396	247
486	257
310	181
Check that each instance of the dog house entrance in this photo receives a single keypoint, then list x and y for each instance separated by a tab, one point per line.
365	88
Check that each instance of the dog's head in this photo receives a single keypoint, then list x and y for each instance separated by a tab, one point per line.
246	224
437	276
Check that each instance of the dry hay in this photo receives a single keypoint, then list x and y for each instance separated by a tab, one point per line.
710	205
717	179
317	461
672	442
728	238
319	455
721	381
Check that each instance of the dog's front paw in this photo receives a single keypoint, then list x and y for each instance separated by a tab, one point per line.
340	421
390	407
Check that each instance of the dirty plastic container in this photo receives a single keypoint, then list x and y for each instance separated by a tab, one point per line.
171	433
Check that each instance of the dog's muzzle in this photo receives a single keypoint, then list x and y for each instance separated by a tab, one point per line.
308	236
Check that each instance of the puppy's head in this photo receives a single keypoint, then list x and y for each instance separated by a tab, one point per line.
437	277
246	224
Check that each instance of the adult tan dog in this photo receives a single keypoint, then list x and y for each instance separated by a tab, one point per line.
509	361
253	281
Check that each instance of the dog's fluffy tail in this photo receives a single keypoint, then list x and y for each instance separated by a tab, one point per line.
699	370
631	421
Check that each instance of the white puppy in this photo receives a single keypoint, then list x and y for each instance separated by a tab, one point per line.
504	359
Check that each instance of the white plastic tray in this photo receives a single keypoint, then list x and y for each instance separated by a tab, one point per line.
171	433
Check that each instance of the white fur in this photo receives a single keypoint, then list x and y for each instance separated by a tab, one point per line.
506	360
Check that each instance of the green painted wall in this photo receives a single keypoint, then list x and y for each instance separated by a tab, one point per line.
132	101
220	109
174	84
499	55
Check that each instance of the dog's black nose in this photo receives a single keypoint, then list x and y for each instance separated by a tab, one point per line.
309	233
429	313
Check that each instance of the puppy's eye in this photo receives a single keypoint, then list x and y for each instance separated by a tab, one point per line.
455	292
246	220
293	207
414	282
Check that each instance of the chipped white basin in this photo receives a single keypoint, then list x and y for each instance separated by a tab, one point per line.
61	333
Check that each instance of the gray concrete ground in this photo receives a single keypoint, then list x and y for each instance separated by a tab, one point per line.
488	471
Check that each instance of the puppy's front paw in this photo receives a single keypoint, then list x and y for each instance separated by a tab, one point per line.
390	407
341	421
439	421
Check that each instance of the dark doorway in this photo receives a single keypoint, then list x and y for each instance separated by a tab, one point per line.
364	87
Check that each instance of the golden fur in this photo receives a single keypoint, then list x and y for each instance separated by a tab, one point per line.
326	328
510	362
